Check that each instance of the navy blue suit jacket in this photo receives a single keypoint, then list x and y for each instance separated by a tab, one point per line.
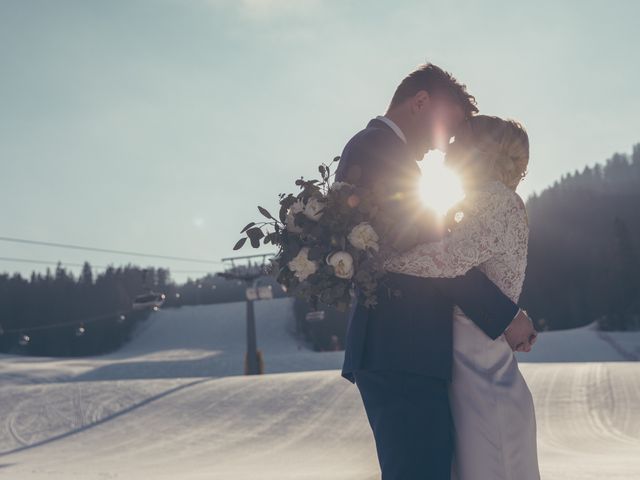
410	330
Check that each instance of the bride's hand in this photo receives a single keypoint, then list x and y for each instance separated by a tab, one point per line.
521	334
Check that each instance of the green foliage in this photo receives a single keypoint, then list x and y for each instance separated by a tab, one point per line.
319	218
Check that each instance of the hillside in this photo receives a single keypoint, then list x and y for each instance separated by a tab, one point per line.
584	245
171	405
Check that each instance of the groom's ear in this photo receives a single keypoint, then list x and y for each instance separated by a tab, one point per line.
420	101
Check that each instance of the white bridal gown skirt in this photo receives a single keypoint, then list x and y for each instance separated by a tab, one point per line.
492	408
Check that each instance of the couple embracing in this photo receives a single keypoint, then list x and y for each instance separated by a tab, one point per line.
434	361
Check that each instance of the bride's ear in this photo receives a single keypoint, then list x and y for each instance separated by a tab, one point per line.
420	101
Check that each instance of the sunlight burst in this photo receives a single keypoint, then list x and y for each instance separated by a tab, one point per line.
440	187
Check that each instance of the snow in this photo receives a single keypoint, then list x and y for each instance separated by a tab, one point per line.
172	404
191	341
585	344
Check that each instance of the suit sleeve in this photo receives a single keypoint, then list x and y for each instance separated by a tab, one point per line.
480	299
476	239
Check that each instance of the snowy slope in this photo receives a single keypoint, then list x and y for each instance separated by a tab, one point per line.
172	405
585	344
209	340
292	426
191	341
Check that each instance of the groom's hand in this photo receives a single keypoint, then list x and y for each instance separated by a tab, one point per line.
520	334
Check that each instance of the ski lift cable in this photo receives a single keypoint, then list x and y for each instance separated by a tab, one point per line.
107	250
71	264
62	324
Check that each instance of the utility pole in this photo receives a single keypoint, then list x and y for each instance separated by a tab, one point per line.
250	277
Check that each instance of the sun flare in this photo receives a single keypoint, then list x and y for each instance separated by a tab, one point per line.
440	188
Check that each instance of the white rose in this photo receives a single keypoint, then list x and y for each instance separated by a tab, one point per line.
297	207
301	266
363	236
313	208
342	264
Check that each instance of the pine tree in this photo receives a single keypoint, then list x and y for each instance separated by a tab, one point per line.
86	276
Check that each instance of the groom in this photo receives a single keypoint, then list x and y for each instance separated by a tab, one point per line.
399	354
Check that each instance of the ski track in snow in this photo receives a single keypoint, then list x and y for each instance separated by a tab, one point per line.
172	404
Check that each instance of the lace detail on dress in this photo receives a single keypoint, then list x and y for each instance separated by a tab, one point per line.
493	235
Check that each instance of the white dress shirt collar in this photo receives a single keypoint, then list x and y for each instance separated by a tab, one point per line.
392	125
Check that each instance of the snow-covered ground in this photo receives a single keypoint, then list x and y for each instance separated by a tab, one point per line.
172	404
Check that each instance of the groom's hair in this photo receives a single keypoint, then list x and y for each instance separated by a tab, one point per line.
439	84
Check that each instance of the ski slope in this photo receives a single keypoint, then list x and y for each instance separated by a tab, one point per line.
190	341
172	404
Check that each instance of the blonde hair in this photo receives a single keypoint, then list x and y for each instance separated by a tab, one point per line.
502	148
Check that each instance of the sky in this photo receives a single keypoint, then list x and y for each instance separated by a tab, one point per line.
158	126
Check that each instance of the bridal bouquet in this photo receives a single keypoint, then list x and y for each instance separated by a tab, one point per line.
327	244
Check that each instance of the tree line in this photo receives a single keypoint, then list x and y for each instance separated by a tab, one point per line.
584	242
57	313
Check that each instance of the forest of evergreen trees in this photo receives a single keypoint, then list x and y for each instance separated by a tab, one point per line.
29	308
583	248
100	305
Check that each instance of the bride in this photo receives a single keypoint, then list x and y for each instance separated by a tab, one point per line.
492	407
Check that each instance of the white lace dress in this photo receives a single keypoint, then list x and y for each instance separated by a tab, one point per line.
492	407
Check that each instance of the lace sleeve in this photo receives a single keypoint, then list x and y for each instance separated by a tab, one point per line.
478	237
